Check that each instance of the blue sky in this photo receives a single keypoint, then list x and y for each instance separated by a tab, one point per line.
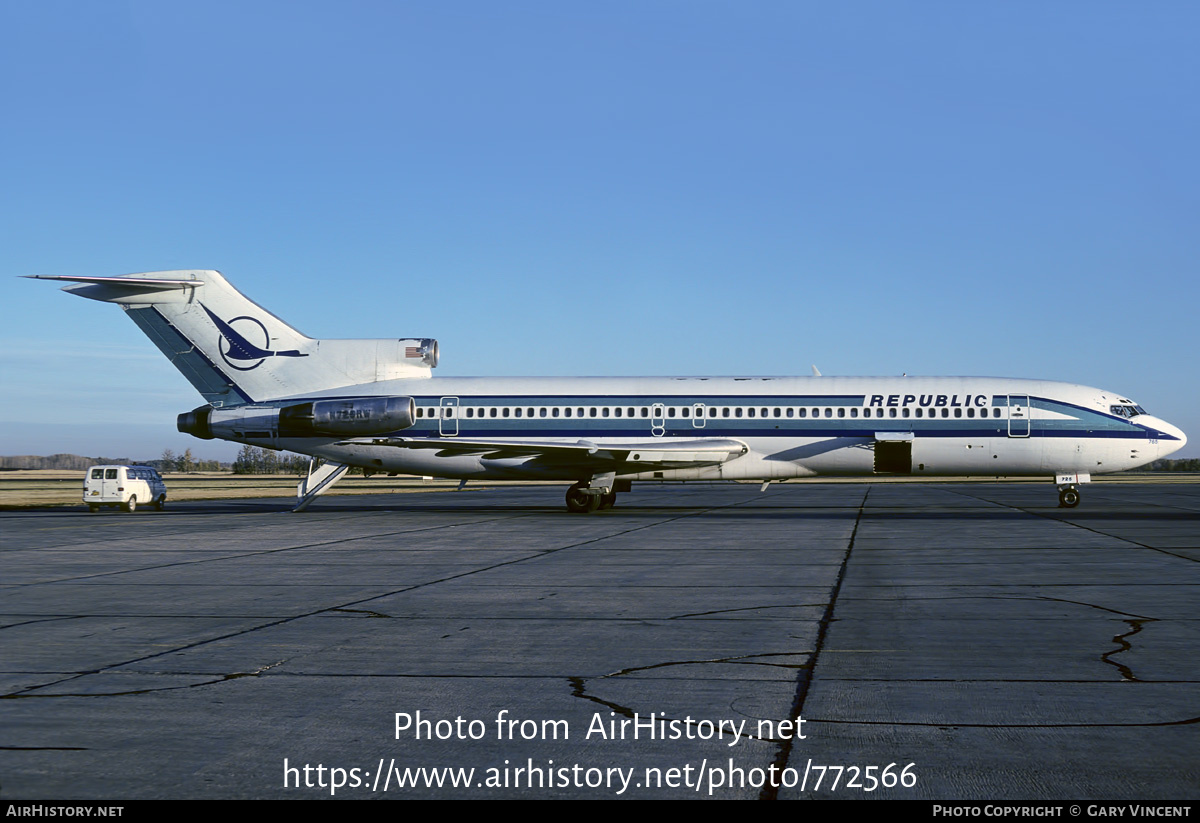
566	188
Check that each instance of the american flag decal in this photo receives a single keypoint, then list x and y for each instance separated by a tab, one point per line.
412	351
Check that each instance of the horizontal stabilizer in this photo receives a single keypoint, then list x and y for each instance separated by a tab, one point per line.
127	290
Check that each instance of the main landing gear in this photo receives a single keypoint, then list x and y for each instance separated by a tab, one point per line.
595	496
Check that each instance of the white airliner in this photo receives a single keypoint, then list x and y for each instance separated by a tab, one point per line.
375	404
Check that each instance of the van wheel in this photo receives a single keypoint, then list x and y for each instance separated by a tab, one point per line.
93	507
160	503
131	506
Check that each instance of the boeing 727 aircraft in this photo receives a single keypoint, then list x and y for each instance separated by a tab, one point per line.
375	404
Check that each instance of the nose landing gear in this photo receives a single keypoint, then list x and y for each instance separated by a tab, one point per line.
1068	498
1068	488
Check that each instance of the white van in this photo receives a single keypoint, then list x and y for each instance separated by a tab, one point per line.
124	486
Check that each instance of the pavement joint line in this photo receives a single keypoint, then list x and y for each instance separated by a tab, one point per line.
242	555
770	789
345	606
1073	524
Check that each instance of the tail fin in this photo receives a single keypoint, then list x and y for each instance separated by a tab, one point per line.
234	351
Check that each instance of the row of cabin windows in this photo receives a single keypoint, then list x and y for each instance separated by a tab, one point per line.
687	411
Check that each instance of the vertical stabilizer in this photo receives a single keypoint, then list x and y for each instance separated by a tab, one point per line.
233	350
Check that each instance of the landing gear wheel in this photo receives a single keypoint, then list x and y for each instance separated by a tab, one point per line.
1068	498
579	501
607	501
160	503
131	506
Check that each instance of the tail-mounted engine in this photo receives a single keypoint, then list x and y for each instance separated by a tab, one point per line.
354	416
360	415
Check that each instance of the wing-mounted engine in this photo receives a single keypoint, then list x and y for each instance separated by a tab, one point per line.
348	416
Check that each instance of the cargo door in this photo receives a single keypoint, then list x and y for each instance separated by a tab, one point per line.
893	452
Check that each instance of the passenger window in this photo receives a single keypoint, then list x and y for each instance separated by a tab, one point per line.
891	412
803	412
712	412
750	412
829	412
854	412
789	411
725	412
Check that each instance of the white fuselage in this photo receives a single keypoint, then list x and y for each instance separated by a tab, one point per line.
792	426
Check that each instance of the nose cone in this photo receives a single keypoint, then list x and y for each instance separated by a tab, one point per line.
1171	439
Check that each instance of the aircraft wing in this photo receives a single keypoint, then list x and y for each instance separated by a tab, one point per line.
669	454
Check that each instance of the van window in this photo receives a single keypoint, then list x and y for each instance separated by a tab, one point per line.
110	474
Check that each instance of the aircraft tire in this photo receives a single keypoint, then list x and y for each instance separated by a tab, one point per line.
607	501
1068	498
131	506
579	501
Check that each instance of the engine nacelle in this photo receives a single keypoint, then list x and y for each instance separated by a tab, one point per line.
352	416
196	422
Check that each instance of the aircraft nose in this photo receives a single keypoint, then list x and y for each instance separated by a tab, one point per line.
1173	442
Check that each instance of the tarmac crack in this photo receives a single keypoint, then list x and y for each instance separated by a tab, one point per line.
770	789
749	609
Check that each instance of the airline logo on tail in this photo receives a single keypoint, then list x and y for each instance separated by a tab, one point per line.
238	352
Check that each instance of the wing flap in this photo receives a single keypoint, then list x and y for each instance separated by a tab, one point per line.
624	456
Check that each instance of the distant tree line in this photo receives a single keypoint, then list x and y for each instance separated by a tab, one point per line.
255	460
186	462
72	462
1166	465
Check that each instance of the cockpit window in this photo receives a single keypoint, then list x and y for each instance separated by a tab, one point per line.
1126	411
